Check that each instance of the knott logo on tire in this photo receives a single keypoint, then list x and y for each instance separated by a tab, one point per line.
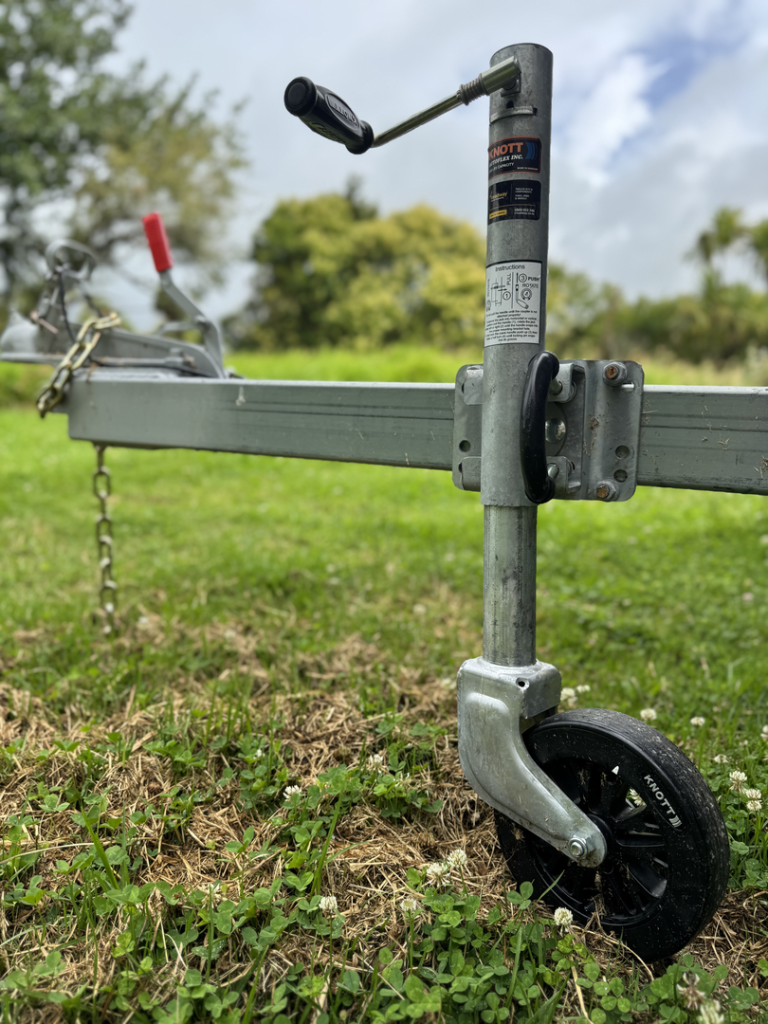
663	803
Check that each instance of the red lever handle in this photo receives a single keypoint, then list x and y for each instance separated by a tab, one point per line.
154	229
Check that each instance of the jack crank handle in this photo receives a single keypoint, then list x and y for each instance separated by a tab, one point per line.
542	370
327	114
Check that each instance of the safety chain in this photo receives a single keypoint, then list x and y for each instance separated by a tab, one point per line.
108	589
85	343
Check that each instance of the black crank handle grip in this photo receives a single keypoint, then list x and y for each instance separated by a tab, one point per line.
542	370
327	114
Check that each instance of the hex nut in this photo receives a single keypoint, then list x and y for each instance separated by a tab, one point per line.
615	374
577	848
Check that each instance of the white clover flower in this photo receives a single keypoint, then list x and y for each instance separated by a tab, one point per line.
648	715
635	797
329	905
215	893
754	805
710	1013
437	872
567	693
737	781
583	688
752	794
563	918
697	721
419	609
258	755
374	762
410	907
692	995
721	759
456	859
292	791
764	733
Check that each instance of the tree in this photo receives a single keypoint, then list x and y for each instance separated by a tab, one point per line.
331	271
90	151
728	234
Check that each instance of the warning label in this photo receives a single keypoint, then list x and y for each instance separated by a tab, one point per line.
510	155
512	303
514	200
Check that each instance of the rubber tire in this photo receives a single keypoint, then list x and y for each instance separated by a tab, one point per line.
663	884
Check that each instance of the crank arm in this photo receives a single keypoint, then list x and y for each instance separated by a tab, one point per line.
493	701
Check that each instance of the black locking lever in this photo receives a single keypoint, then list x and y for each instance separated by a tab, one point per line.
327	114
542	370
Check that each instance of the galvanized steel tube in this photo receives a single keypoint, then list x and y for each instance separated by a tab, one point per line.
509	586
518	218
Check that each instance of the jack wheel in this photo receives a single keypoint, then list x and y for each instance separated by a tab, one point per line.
667	861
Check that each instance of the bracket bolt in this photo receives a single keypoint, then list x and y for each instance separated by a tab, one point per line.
606	491
555	387
577	848
615	374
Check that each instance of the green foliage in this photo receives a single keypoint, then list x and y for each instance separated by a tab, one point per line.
331	273
723	321
114	145
92	938
334	273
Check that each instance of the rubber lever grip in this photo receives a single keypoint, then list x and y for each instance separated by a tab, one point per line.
154	229
542	370
327	114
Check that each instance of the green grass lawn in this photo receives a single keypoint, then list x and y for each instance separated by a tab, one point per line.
281	623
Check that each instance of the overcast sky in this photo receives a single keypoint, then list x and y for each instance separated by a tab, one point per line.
660	111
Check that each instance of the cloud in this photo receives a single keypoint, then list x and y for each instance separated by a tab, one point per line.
660	110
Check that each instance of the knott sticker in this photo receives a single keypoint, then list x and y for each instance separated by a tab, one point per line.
512	155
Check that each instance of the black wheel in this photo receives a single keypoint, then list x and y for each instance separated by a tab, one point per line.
666	868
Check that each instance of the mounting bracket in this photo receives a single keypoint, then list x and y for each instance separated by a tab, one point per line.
592	429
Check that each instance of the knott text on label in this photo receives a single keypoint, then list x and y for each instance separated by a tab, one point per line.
508	156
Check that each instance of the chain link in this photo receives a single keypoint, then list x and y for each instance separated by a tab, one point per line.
102	488
85	343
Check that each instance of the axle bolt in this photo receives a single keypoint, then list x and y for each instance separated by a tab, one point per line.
577	848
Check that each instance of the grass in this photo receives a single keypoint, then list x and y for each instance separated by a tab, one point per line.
287	624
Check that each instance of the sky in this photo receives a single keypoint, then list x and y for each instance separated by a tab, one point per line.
660	113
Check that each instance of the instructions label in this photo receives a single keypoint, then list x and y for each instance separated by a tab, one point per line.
512	303
508	156
514	200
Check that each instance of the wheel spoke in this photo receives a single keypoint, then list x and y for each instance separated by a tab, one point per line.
645	881
579	882
614	791
635	819
568	777
637	842
616	897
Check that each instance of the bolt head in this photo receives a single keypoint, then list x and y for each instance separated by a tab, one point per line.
606	491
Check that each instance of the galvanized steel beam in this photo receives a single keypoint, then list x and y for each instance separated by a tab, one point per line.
703	438
409	425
